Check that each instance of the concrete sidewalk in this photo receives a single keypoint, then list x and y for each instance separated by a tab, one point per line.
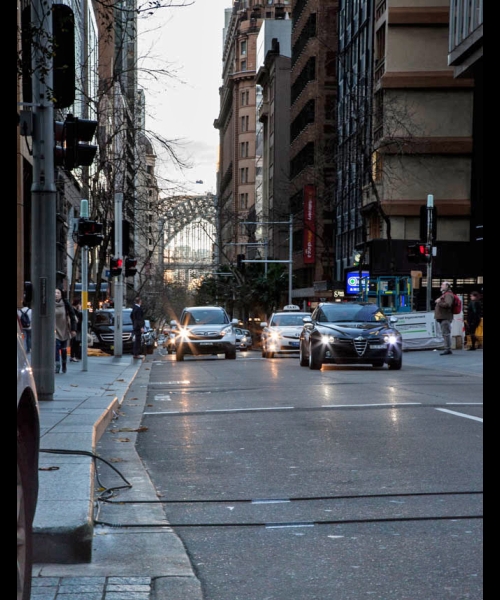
71	548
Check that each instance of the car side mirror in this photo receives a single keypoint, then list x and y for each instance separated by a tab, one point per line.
307	320
234	322
393	319
263	324
173	323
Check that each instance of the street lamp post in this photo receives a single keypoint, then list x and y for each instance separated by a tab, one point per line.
290	250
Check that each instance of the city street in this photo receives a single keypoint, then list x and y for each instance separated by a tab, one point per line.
285	483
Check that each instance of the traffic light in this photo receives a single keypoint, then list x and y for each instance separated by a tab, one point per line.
239	261
130	266
72	137
115	266
423	223
418	253
79	132
89	233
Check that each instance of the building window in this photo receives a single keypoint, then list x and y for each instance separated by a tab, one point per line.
244	123
244	175
244	149
243	96
243	48
243	65
247	97
243	201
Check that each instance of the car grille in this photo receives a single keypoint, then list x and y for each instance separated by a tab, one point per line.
360	346
198	334
110	337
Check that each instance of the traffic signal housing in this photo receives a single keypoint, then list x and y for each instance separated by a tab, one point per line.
116	265
130	266
239	261
89	233
418	253
72	142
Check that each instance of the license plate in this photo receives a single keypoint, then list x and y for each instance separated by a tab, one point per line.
294	344
378	347
206	344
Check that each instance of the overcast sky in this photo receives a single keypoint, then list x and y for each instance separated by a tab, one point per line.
188	42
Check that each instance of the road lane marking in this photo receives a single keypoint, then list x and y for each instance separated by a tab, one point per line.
452	412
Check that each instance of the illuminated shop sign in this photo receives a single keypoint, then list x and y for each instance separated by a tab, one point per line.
352	281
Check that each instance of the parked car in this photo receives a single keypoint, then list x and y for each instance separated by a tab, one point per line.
148	338
205	330
241	338
248	335
102	329
28	450
350	333
282	333
169	342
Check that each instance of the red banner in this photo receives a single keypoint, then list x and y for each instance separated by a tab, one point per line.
309	224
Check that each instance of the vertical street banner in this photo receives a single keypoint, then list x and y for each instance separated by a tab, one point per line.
309	224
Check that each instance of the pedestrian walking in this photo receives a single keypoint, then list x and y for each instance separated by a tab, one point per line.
65	329
138	324
443	313
76	341
24	314
474	314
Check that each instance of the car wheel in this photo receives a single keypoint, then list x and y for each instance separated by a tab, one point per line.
314	358
179	355
303	360
395	364
150	349
24	527
377	364
264	353
231	354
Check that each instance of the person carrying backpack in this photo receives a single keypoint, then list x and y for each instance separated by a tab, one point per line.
443	313
25	318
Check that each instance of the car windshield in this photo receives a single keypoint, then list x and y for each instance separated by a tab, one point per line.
108	317
205	317
287	320
351	313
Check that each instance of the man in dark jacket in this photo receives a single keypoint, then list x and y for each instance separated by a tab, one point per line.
474	313
443	313
138	323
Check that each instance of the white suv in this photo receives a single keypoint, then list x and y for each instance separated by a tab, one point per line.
205	330
282	333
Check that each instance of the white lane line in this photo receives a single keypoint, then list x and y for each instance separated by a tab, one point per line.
452	412
382	404
250	409
284	526
269	501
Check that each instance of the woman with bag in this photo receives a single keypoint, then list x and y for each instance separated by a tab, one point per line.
76	342
65	329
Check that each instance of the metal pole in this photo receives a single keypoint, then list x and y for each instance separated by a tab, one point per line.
84	213
430	206
290	265
118	281
43	197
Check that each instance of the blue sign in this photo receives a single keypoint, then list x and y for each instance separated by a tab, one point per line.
352	281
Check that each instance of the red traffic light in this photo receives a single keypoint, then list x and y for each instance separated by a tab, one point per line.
89	233
116	265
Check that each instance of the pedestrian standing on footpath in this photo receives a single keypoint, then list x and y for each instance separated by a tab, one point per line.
474	314
138	324
65	329
76	342
443	313
24	314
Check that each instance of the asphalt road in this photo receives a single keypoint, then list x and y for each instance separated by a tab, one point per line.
348	483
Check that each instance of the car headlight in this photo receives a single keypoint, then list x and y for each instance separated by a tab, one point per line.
184	334
328	339
275	336
390	339
226	331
